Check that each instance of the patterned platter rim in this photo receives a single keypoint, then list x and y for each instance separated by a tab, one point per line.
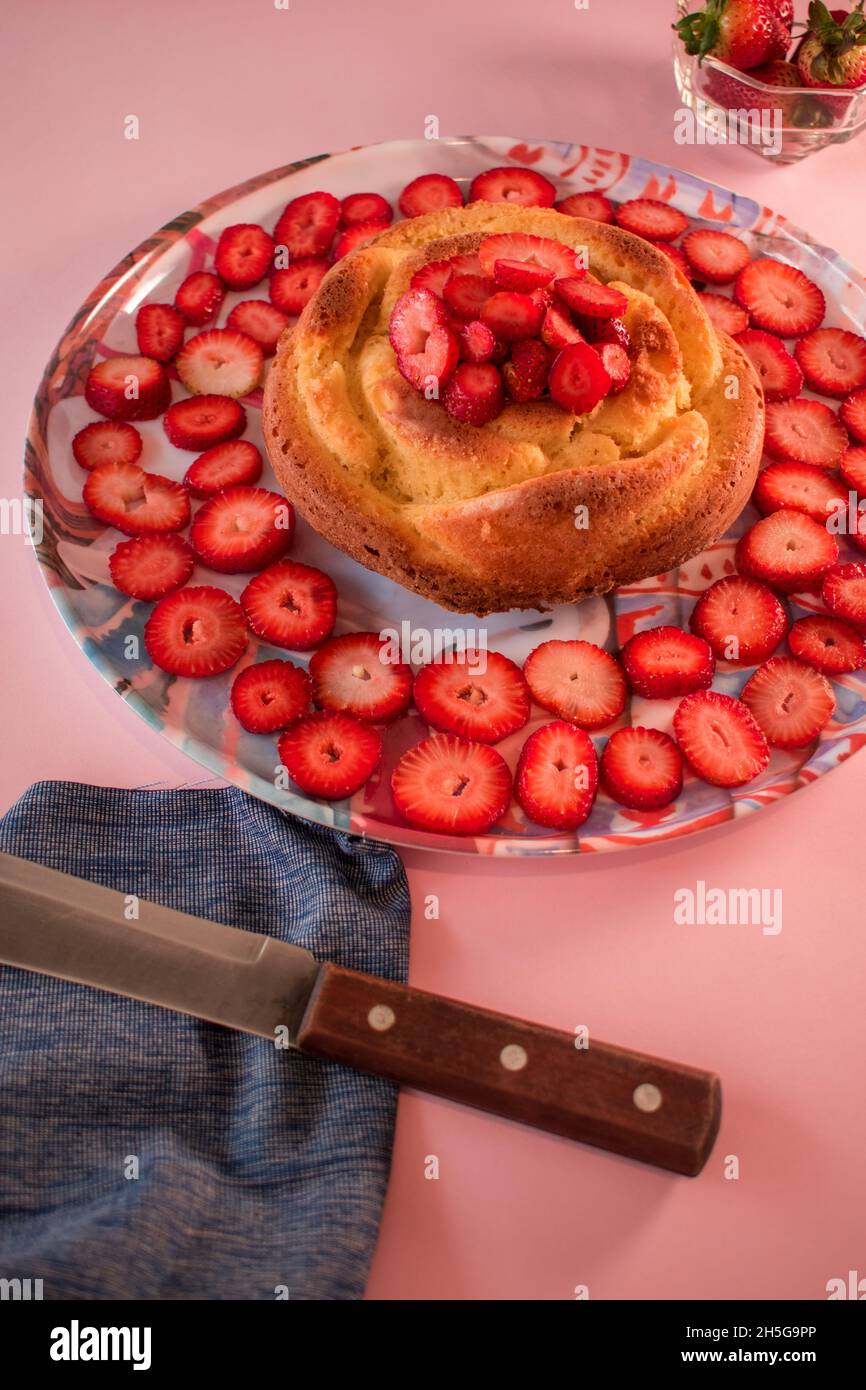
583	167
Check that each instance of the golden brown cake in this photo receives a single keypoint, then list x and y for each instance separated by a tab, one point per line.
536	507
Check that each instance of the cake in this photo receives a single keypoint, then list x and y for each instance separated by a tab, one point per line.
538	505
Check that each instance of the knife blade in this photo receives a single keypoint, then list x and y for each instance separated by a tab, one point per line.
642	1107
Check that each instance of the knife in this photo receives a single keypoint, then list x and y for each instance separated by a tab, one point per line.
660	1112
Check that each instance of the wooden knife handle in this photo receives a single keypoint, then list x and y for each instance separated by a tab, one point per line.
659	1112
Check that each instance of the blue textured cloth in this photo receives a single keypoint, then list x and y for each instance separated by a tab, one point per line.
261	1173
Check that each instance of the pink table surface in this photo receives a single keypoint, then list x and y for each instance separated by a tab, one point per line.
227	88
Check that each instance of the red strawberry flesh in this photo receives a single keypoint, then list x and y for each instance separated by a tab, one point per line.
106	441
642	769
354	674
196	632
577	681
743	621
480	696
236	463
200	422
522	187
449	785
791	702
269	696
720	738
149	567
828	644
662	662
557	776
242	529
291	605
330	755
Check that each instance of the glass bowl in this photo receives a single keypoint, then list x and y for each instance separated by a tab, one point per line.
724	106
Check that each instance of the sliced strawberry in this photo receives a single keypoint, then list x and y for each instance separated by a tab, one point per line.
800	487
510	316
128	388
365	207
270	696
199	298
577	681
292	288
242	529
779	297
716	257
149	567
481	696
355	675
307	224
261	321
521	275
724	314
137	503
791	702
523	187
351	238
291	605
852	468
474	394
557	328
674	254
651	219
833	360
853	413
525	374
237	463
466	295
199	422
720	738
106	441
533	250
477	343
196	632
330	755
159	330
591	299
844	592
434	275
804	431
742	621
662	662
244	255
578	379
617	364
642	769
557	776
220	362
595	206
598	331
426	348
429	193
451	786
788	551
780	374
828	644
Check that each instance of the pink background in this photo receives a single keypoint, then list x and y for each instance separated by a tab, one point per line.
228	88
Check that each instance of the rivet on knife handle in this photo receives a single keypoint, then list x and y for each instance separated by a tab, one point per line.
642	1107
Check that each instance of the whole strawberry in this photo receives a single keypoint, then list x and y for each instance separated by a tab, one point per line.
742	33
833	52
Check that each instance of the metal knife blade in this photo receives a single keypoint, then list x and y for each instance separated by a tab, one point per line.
631	1103
79	931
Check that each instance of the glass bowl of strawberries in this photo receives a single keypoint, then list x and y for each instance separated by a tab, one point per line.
748	74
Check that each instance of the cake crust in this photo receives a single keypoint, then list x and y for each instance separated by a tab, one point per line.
538	507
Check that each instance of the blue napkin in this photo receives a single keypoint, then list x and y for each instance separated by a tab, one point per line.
144	1154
